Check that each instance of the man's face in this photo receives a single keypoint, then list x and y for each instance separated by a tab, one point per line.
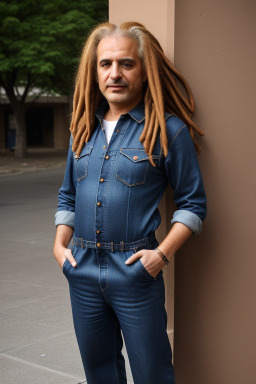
120	72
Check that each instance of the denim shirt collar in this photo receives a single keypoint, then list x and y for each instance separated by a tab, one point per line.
137	113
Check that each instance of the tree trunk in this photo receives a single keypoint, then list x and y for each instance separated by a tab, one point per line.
21	137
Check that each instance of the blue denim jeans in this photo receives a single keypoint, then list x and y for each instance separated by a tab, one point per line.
111	301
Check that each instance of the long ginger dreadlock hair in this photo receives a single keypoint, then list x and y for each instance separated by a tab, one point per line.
161	92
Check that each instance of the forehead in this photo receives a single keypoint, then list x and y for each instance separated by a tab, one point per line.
116	47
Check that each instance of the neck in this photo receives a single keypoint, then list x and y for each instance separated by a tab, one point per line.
113	115
116	110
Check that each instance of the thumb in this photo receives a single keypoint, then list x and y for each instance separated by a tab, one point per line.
133	258
70	257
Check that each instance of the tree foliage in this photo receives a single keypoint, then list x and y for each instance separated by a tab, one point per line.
41	41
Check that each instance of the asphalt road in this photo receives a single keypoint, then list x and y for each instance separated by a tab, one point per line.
37	340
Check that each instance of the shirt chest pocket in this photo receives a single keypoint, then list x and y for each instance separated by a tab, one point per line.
133	165
81	163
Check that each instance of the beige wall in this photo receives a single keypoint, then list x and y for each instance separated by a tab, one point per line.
149	13
215	273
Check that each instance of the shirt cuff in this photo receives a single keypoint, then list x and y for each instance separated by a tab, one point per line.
189	219
65	217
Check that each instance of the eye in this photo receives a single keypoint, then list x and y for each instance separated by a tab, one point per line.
127	64
105	64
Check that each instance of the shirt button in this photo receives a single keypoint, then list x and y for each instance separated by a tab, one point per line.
117	130
101	180
99	204
98	244
107	157
98	231
104	146
135	157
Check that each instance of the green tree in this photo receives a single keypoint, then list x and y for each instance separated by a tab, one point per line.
41	42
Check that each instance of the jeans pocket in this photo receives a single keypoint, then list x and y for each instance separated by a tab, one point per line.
67	265
146	275
145	272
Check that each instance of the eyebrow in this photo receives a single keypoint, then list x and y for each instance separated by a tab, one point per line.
119	60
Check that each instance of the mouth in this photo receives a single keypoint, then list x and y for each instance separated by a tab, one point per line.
119	85
116	87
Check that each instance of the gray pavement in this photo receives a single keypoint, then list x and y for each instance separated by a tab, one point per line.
37	340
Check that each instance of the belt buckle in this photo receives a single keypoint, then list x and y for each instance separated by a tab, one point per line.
81	242
122	246
112	246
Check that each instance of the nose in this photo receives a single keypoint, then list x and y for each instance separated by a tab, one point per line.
115	71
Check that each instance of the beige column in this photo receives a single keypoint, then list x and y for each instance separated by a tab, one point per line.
215	273
158	17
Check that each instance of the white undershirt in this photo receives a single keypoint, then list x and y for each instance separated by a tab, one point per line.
109	127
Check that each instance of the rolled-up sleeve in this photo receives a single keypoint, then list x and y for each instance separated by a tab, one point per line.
67	194
185	177
65	217
189	219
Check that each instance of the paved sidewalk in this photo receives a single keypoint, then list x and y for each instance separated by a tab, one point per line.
37	159
37	340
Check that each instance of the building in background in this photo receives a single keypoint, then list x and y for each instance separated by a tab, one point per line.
47	122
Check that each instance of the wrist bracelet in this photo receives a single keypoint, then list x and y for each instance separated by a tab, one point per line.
162	255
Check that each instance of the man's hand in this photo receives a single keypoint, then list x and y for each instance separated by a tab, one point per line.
60	250
150	259
62	254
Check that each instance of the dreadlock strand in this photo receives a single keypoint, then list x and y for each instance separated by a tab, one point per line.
178	98
190	122
149	131
81	144
78	112
148	110
82	106
178	103
172	70
75	100
156	91
79	91
183	112
171	107
77	136
153	140
172	87
174	98
154	85
73	127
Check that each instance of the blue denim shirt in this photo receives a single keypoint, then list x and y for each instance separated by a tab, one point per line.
110	193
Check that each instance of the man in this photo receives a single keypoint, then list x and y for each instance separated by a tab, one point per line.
127	143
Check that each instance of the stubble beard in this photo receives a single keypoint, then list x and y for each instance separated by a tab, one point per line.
125	96
119	98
